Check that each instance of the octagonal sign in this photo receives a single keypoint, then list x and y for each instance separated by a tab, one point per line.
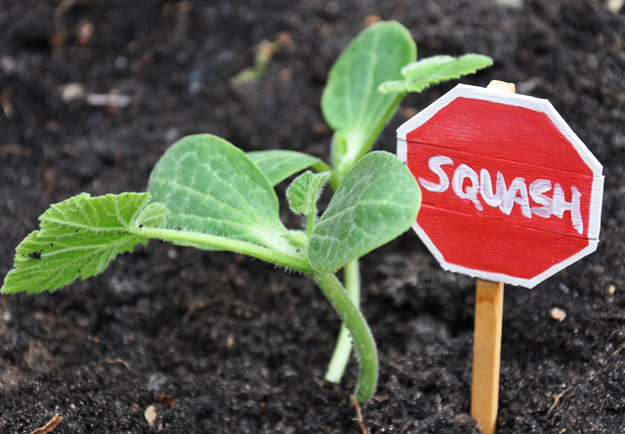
510	193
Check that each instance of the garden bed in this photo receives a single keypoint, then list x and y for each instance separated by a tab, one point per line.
242	347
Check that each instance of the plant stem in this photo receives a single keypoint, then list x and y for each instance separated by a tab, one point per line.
358	329
195	239
343	348
331	287
310	223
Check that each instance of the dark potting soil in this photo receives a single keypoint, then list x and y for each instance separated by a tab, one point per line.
240	346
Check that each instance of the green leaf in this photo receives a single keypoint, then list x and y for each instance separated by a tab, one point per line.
211	187
376	202
426	72
278	165
351	104
304	192
154	216
78	237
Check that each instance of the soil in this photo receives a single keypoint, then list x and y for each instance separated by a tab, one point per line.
242	347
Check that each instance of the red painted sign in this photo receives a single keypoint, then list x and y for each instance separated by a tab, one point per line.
510	193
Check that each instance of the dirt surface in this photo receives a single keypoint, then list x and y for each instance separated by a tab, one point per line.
242	347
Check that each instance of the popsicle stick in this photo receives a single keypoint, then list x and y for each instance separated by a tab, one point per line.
487	354
487	337
503	86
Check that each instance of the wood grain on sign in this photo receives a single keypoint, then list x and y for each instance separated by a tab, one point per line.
502	173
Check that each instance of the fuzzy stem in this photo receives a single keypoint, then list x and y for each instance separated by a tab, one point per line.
194	238
343	348
358	329
329	284
310	224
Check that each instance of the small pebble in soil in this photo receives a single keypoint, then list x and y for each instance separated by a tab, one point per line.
151	416
558	314
7	317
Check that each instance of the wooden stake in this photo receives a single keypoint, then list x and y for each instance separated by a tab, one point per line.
487	353
487	338
501	86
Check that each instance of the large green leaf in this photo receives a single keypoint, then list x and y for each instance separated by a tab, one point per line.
78	238
351	104
377	201
278	165
433	70
212	187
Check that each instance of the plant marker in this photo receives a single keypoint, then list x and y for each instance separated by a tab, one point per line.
510	195
487	338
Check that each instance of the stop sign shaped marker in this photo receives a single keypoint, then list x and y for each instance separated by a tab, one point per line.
510	193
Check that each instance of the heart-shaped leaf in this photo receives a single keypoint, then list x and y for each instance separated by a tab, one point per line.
351	104
212	187
377	201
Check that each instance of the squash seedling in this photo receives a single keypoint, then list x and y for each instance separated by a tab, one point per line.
206	193
365	87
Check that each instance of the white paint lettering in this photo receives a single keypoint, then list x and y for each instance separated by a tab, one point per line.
505	198
486	188
559	205
463	171
538	189
435	164
511	197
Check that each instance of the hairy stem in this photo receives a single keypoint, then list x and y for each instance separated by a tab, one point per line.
310	223
343	348
358	329
331	287
194	238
